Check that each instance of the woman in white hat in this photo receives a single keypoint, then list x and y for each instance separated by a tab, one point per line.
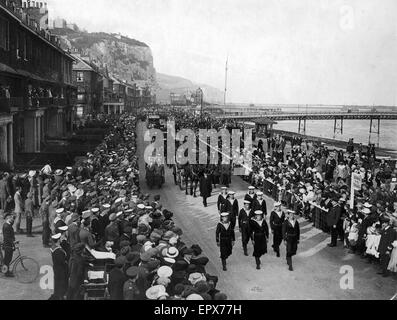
277	218
291	236
259	235
225	238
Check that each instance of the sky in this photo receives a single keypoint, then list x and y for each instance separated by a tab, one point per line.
279	51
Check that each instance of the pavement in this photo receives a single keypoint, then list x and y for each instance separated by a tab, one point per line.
11	289
319	270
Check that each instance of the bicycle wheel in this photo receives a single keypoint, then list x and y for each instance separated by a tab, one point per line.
26	270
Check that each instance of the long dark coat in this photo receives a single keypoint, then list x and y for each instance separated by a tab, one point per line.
291	234
61	272
244	225
225	237
387	238
117	278
260	206
276	224
259	234
205	187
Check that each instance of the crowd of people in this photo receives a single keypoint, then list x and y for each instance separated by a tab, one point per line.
96	209
94	213
314	177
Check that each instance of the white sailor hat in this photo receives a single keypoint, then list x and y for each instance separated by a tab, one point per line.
224	214
366	211
60	210
251	188
106	206
232	193
223	188
258	212
367	205
56	236
63	228
141	206
277	204
247	202
260	193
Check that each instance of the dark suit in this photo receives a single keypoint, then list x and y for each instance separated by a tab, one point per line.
61	273
291	234
205	189
221	202
117	278
276	224
243	223
225	237
333	217
260	234
73	234
8	243
388	236
232	208
77	267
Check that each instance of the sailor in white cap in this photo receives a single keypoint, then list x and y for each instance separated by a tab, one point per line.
260	203
259	235
277	218
58	221
60	268
222	198
250	196
231	206
243	224
291	236
225	238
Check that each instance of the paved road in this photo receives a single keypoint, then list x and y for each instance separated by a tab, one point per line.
317	267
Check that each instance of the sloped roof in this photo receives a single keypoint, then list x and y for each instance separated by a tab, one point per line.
82	65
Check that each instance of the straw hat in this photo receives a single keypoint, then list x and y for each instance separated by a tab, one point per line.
155	292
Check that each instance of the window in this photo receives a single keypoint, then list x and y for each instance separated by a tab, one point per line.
4	34
80	111
80	76
80	97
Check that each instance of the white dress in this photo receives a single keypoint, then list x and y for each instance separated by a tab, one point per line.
393	258
372	245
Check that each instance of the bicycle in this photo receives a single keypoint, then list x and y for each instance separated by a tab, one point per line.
25	269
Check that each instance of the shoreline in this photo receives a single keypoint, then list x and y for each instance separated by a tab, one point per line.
339	144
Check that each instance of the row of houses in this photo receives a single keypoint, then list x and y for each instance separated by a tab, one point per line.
44	89
101	92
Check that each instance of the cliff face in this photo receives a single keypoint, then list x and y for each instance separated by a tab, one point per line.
126	58
171	84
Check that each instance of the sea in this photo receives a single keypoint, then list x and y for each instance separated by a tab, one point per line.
359	130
